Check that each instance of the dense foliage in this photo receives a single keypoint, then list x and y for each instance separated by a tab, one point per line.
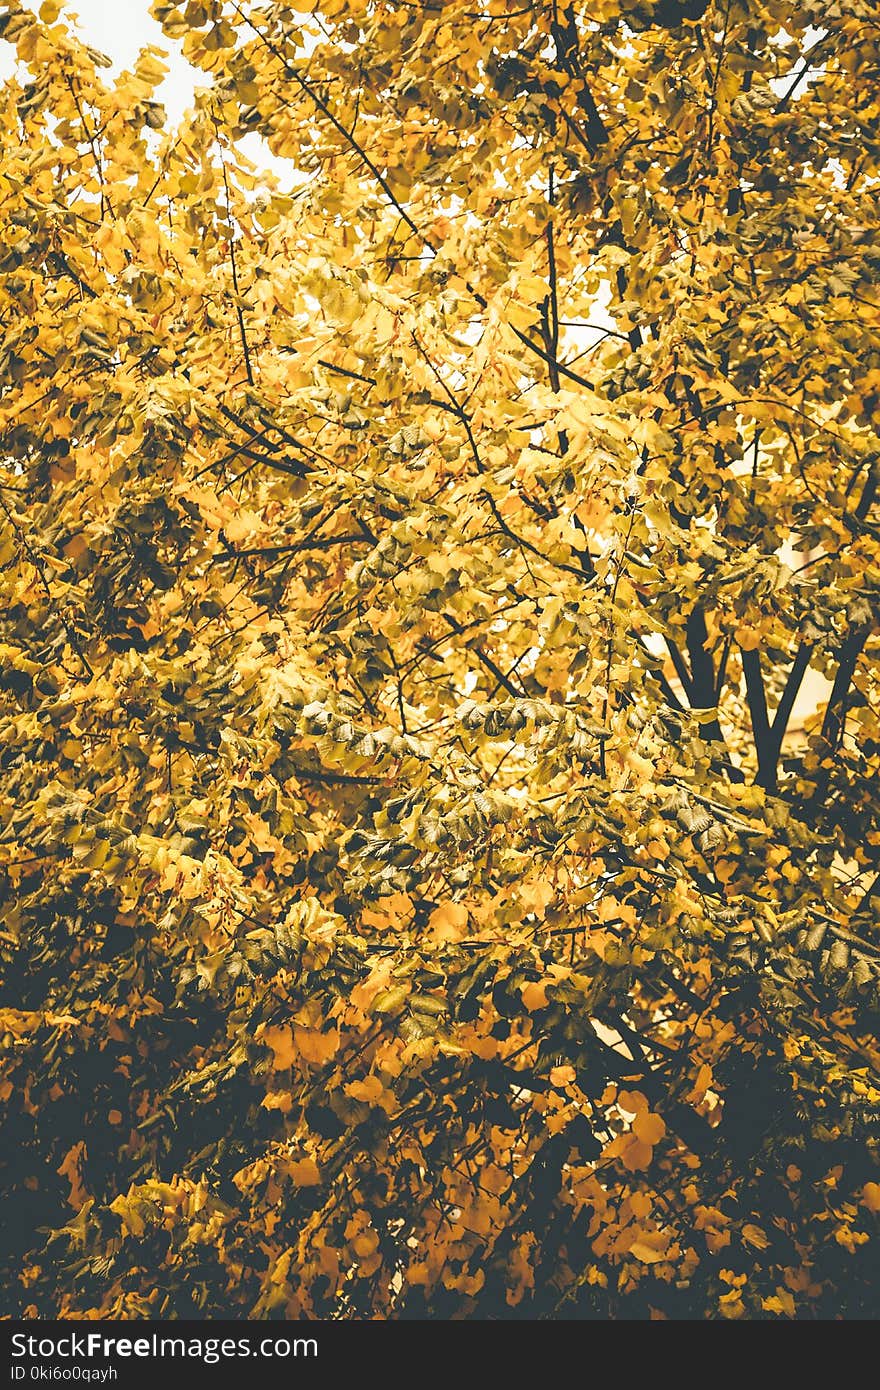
420	892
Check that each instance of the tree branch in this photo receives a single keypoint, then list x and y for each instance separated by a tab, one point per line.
848	656
681	669
487	661
308	774
785	99
295	547
347	135
238	305
545	356
757	699
462	415
345	371
789	695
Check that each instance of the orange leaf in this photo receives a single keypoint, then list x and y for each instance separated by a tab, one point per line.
313	1045
534	995
536	896
635	1153
640	1205
304	1172
280	1039
632	1102
365	1243
368	1090
648	1127
448	922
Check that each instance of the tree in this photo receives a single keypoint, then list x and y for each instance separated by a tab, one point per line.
419	896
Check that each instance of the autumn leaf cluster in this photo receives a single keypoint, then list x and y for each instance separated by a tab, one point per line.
439	575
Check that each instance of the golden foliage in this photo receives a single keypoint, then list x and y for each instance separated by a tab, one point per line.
418	895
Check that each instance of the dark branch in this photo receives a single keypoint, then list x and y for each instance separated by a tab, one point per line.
295	547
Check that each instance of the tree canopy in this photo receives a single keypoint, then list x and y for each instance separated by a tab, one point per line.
422	894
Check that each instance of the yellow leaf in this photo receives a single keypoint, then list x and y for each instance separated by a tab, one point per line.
645	1253
702	1082
781	1303
132	1221
871	1196
536	895
278	1100
753	1235
749	638
242	524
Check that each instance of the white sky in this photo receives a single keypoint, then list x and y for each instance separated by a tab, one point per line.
121	28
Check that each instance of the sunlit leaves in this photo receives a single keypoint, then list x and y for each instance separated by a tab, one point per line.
438	690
